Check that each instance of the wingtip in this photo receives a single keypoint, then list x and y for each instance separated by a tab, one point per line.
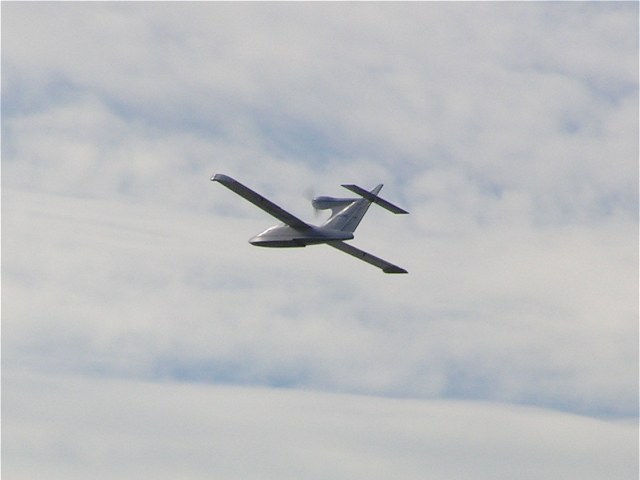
394	269
220	177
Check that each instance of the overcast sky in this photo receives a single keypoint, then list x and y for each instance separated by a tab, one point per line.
508	130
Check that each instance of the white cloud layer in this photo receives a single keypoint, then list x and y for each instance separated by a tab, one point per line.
70	428
508	130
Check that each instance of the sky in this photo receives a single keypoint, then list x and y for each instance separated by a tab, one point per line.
143	334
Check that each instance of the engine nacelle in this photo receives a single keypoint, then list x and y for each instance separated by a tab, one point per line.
326	203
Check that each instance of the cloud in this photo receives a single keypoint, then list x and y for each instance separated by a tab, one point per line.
509	132
70	427
132	290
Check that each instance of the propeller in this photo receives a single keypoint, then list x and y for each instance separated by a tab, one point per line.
310	194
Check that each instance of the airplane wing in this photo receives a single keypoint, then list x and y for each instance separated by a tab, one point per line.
367	257
260	202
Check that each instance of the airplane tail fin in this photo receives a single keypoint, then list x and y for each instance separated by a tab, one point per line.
373	197
350	217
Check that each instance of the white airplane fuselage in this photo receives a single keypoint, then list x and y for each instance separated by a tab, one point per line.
285	236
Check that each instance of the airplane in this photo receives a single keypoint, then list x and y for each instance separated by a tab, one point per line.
346	214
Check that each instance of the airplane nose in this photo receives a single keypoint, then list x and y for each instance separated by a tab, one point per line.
257	241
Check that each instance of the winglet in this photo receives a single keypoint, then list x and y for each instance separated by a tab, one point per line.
375	199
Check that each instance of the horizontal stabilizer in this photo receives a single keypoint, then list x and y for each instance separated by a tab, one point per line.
374	198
